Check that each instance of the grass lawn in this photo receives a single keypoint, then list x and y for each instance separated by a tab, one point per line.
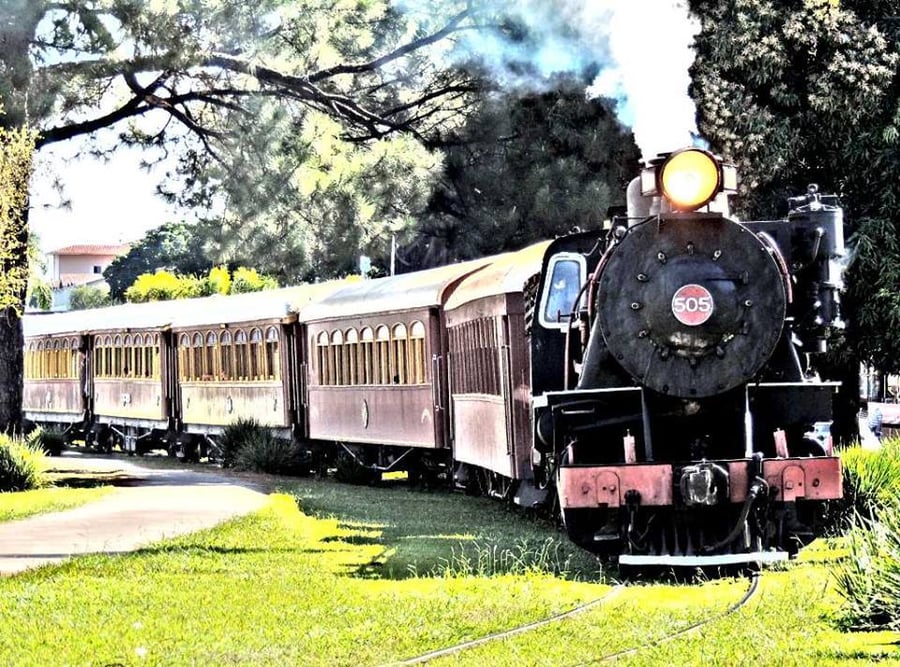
29	503
341	575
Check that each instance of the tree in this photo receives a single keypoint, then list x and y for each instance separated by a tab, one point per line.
15	169
84	297
171	247
527	166
809	91
78	67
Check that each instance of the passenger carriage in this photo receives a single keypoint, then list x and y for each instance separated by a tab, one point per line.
115	389
490	375
237	357
377	372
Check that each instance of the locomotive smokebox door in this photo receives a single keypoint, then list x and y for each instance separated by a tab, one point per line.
691	305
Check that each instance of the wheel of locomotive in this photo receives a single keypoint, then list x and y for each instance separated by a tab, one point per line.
691	306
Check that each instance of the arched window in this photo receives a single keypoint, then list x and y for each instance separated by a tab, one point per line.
337	356
69	357
108	368
399	361
382	355
127	357
322	356
29	361
241	363
184	356
54	359
366	363
273	362
417	353
209	357
117	357
226	356
351	357
256	355
151	356
98	357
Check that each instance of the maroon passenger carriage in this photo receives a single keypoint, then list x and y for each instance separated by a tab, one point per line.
377	371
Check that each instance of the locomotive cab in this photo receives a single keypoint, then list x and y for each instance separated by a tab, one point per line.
673	426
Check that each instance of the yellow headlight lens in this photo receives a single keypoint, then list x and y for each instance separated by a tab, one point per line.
689	179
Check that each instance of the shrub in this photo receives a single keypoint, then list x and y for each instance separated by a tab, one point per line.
48	441
85	297
234	437
263	452
248	280
20	465
869	579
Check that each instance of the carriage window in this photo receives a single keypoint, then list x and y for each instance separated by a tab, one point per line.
108	369
127	356
273	366
241	363
255	354
567	273
209	357
417	353
366	368
117	357
226	356
336	363
399	362
184	359
322	357
382	356
351	357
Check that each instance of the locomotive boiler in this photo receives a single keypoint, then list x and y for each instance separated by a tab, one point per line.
673	425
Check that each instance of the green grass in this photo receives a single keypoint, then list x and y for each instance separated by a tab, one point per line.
335	586
23	504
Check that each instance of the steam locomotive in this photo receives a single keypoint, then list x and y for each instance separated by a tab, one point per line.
677	430
651	381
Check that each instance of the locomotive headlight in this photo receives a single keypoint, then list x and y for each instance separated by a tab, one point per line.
690	179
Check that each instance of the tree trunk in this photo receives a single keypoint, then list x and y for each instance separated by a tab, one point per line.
11	371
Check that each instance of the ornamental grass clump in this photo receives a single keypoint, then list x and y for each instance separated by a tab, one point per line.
21	466
871	482
869	578
50	441
263	452
234	437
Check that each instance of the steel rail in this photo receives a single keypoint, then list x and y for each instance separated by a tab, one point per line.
456	648
751	592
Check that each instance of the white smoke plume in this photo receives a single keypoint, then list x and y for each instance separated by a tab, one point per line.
642	50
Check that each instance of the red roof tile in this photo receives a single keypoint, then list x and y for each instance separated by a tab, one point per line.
118	249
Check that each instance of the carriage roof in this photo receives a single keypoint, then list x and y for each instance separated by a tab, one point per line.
407	291
268	305
505	274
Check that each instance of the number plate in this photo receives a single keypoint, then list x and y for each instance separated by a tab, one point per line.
692	305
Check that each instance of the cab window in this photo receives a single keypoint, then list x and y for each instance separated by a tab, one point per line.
567	275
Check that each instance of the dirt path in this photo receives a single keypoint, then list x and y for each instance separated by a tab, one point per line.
148	505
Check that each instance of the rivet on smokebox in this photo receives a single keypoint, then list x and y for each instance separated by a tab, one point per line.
816	482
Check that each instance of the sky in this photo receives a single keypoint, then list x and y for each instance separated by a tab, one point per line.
111	201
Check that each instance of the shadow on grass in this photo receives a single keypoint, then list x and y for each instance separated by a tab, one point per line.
427	533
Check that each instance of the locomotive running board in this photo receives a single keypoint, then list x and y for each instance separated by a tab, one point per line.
704	561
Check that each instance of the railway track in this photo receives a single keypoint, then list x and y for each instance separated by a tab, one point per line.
528	627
